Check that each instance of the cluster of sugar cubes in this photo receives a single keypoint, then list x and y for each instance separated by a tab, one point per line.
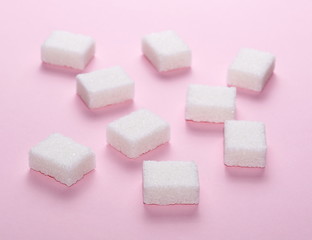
164	182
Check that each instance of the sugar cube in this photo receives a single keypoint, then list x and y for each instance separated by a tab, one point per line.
170	182
166	51
137	133
244	143
61	158
68	49
105	87
251	69
209	103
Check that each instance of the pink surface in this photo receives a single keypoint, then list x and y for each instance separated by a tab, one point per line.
235	203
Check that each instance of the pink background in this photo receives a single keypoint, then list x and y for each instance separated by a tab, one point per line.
235	203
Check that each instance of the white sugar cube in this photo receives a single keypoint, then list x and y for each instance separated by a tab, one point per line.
244	143
251	69
105	87
166	51
137	133
210	104
170	182
62	158
68	49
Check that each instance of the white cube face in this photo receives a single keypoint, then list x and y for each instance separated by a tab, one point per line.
244	144
137	133
251	69
170	182
68	49
210	104
166	51
105	87
61	158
